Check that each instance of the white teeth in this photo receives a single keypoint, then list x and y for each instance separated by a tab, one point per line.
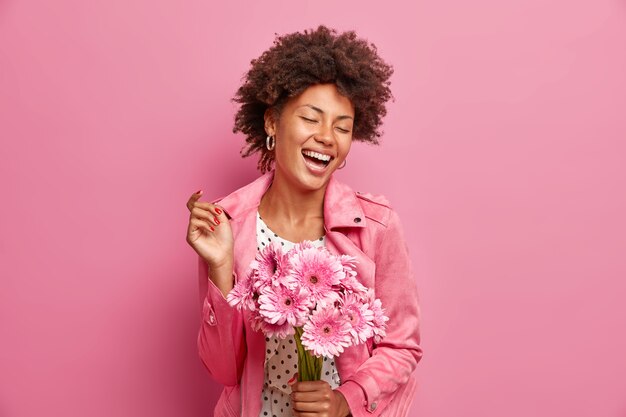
317	155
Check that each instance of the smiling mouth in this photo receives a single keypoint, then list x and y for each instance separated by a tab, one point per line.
316	159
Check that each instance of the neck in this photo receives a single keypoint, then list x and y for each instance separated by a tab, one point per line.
290	204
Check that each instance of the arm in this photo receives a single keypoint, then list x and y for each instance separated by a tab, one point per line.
374	384
221	341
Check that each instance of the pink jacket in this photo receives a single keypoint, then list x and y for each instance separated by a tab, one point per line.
377	380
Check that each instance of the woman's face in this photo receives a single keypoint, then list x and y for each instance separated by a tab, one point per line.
313	136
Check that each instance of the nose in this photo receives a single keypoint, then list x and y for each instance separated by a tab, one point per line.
325	134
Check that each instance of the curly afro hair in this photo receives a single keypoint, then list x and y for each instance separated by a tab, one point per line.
299	60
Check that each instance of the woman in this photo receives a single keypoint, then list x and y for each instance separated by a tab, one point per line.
302	103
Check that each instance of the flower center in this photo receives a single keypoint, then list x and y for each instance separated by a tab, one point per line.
313	279
288	301
326	329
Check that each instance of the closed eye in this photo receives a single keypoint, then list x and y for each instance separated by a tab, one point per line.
308	120
342	130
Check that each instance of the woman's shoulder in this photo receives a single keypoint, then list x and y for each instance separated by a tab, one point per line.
375	207
383	222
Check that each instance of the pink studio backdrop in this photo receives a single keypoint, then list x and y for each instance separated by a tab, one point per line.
504	153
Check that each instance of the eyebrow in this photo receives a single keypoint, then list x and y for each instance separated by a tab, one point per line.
320	111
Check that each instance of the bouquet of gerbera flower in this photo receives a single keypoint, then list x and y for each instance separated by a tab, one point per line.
312	295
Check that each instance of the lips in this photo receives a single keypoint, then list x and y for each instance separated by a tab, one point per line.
321	156
316	162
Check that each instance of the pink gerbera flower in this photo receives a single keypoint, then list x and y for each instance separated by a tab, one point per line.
326	333
258	323
360	317
280	304
349	264
305	244
269	264
280	331
350	282
243	294
317	270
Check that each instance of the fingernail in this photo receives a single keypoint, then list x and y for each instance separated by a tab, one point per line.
198	192
212	229
216	221
218	211
293	379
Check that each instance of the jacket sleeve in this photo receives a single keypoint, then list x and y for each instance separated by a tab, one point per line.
387	372
221	340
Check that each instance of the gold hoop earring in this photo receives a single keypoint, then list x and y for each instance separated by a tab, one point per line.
270	142
343	164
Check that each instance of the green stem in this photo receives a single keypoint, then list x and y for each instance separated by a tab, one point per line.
309	366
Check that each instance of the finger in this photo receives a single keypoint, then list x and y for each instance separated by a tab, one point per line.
209	216
304	414
216	210
220	210
221	214
201	224
311	407
293	379
310	396
202	204
213	208
310	386
194	197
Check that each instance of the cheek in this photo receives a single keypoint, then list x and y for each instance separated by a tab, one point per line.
344	146
293	135
286	149
283	153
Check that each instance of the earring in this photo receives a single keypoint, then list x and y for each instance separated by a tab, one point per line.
270	142
343	164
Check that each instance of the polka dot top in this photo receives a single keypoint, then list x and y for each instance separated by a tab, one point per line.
281	355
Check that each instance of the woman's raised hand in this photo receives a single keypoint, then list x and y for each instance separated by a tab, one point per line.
209	233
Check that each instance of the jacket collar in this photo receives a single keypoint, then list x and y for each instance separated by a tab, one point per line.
341	205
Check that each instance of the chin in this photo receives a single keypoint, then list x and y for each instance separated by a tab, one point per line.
314	185
303	179
314	182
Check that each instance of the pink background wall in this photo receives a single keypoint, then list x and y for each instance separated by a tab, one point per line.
504	154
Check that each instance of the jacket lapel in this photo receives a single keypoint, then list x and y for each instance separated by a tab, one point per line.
341	207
